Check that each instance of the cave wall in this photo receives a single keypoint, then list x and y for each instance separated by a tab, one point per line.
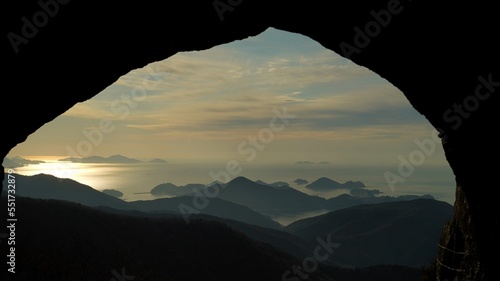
442	56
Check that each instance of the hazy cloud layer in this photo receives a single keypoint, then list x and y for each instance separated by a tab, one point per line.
215	99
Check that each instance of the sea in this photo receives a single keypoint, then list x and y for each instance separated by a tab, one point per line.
136	180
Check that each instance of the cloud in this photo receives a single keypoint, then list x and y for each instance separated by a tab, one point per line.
93	109
228	93
229	84
202	97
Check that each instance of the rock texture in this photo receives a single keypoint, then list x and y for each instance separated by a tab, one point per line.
442	55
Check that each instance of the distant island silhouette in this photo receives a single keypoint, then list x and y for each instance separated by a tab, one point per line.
158	160
326	184
113	192
279	198
111	159
18	161
312	163
304	163
301	181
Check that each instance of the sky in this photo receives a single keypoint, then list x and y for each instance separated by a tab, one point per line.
278	97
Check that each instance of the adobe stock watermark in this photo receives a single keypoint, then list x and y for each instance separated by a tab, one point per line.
222	7
121	107
363	36
310	264
454	116
471	103
406	167
31	26
250	148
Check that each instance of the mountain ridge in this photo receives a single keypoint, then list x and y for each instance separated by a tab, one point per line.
402	232
248	225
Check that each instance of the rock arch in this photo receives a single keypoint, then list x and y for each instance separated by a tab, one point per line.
442	56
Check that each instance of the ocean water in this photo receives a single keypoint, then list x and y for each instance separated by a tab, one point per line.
136	180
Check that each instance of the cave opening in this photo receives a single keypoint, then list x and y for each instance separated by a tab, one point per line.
421	36
278	109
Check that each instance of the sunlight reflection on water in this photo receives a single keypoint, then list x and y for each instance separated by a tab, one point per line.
136	180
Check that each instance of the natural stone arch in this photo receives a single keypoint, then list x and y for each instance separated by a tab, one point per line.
434	55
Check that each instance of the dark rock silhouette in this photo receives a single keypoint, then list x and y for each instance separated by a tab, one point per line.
416	35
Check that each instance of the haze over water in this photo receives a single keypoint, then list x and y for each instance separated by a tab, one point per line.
136	180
